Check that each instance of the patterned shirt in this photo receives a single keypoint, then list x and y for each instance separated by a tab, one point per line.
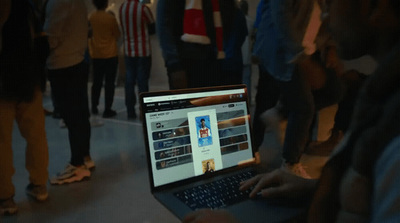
135	18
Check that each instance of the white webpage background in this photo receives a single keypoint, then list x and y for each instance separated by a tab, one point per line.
184	171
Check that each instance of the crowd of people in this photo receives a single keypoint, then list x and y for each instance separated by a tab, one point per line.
298	47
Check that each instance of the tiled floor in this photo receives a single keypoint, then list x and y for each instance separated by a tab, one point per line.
118	190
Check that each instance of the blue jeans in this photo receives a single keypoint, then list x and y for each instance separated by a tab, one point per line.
137	69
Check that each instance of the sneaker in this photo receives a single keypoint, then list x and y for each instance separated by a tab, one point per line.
95	121
89	163
108	113
8	207
296	169
71	174
325	148
39	192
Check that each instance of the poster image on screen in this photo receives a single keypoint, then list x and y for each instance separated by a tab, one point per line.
203	131
203	127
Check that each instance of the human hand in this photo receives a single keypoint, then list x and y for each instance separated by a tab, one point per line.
279	183
208	215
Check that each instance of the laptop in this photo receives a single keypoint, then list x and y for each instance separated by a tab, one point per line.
198	141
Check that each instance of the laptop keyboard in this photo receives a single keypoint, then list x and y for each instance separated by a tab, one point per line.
217	194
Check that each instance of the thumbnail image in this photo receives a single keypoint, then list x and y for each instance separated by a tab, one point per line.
208	166
203	130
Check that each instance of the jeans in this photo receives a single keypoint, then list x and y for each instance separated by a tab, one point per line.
104	69
69	86
137	69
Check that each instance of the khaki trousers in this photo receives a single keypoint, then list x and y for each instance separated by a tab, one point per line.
31	123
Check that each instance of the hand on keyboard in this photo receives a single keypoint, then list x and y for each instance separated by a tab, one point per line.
278	183
217	194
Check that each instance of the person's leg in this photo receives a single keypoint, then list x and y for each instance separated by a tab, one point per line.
31	123
80	116
353	83
70	89
110	75
98	76
331	93
143	73
56	109
266	97
130	82
7	117
297	98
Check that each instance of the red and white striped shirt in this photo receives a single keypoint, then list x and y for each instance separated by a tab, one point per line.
204	132
135	18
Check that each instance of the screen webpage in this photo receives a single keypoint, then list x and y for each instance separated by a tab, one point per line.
197	133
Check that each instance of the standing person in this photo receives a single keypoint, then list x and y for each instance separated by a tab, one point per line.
137	24
301	58
66	25
192	40
103	50
20	101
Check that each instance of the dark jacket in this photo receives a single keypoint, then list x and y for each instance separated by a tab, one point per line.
17	76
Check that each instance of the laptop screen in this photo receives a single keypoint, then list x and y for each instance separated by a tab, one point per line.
193	132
